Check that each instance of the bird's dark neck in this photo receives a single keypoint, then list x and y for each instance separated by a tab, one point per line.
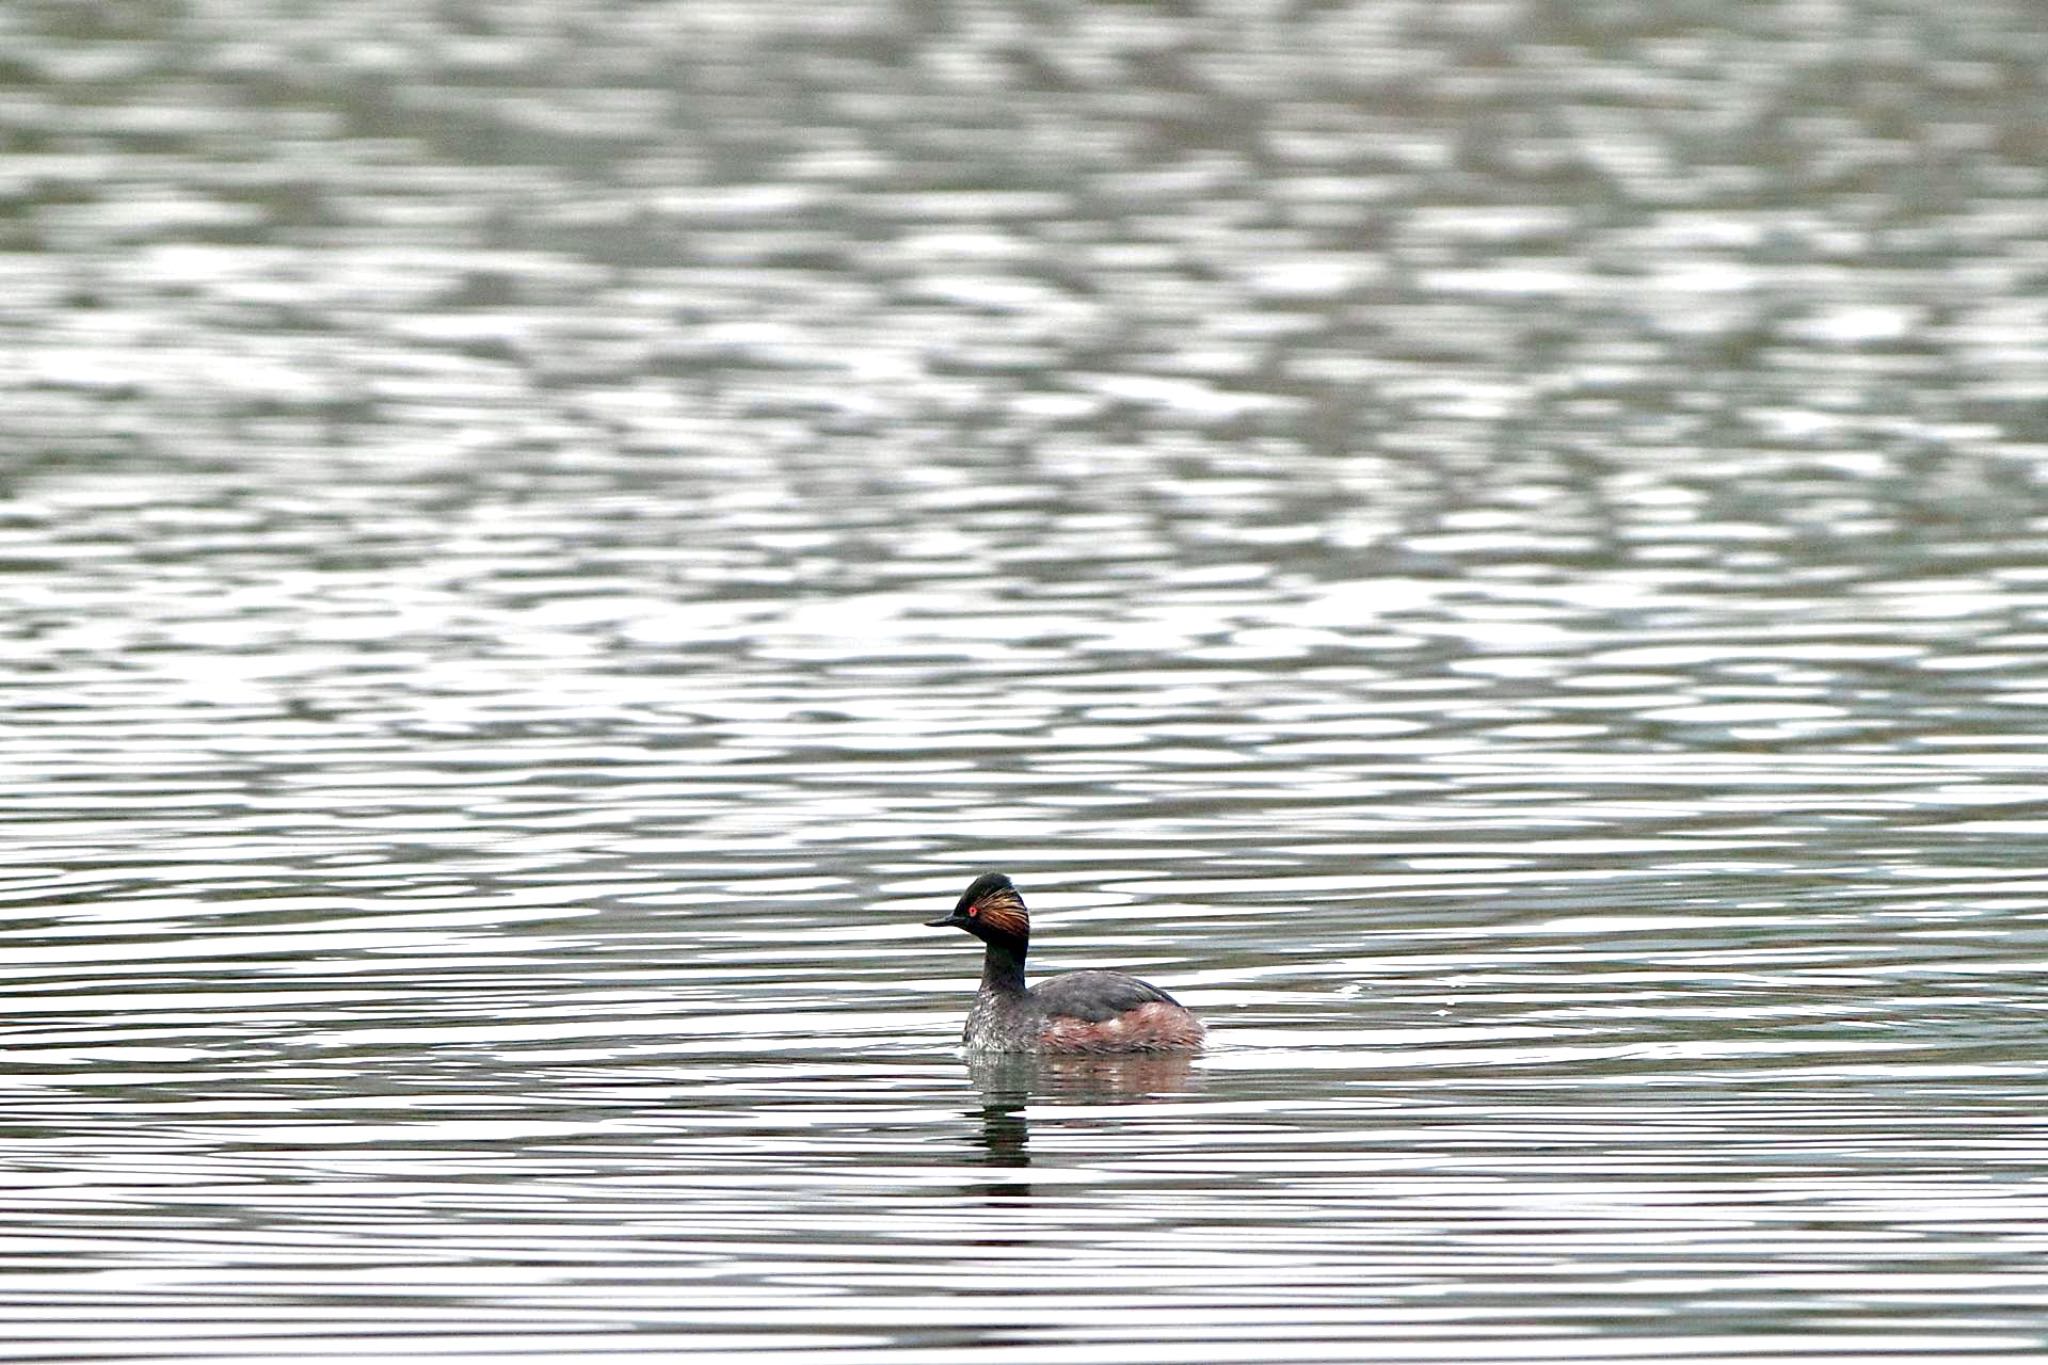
1002	967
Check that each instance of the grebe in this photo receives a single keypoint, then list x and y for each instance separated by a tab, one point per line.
1077	1012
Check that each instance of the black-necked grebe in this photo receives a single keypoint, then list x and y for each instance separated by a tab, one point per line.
1077	1012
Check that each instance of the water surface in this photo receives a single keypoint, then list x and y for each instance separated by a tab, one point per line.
1495	550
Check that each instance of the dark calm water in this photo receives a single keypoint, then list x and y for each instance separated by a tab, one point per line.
1498	550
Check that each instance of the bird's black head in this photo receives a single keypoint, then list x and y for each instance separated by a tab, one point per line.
991	910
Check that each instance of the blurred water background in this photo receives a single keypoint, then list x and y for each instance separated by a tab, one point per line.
1495	548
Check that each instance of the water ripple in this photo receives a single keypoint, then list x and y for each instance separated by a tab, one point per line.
1496	552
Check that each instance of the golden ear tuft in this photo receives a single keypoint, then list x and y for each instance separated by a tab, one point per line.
1002	911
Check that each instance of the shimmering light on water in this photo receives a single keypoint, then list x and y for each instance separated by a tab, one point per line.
1496	550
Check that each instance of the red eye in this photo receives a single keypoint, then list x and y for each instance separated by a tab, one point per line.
973	911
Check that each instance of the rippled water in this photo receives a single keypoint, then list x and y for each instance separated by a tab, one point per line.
1499	551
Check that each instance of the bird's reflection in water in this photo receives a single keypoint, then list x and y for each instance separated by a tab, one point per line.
1009	1083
